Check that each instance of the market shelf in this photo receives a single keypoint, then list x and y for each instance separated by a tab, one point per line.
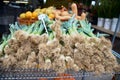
106	31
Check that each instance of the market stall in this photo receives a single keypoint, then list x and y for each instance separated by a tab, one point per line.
43	45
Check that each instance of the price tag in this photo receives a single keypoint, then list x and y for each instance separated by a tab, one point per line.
42	17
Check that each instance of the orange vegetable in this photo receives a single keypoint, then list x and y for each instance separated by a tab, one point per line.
51	16
74	9
43	79
35	15
79	18
22	15
62	77
28	14
65	13
83	16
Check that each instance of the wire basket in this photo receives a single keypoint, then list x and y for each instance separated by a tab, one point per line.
38	74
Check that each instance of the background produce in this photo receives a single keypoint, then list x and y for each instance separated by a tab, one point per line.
34	15
48	11
67	45
30	17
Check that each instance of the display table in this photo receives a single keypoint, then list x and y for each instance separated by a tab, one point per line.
106	31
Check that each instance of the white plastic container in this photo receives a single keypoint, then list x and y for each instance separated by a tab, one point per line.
114	23
107	23
100	22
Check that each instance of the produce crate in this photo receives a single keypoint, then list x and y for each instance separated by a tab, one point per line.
26	21
38	74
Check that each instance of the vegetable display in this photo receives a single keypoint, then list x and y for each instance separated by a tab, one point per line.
29	17
67	45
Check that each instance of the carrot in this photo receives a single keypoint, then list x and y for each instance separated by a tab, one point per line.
74	9
62	77
83	16
43	79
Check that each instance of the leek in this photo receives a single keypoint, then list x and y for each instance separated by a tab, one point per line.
5	39
36	27
100	35
86	28
30	29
